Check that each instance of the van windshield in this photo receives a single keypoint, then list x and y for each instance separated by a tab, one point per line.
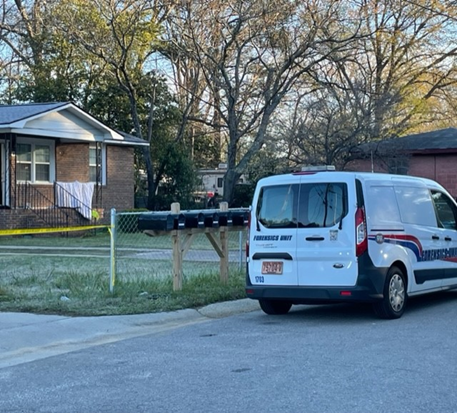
313	205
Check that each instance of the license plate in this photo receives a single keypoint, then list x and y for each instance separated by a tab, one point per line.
272	267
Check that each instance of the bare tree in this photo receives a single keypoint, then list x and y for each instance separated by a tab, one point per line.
124	36
190	90
24	29
399	76
407	59
43	64
25	36
318	128
251	53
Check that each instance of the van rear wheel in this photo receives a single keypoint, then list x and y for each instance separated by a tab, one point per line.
394	301
275	307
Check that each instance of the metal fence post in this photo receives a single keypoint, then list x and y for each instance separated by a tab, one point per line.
241	250
112	231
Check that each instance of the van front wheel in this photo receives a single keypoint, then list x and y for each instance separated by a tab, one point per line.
394	301
275	307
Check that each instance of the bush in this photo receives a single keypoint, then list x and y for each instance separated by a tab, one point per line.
243	196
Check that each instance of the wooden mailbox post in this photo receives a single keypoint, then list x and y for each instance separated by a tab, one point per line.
182	236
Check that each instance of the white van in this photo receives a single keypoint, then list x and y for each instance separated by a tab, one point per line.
321	237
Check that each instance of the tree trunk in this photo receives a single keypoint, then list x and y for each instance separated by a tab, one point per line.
150	178
230	180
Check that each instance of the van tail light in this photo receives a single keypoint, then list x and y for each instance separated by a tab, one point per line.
248	232
360	232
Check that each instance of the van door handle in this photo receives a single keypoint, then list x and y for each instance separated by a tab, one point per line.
314	238
435	237
447	238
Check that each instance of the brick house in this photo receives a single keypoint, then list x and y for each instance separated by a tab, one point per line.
430	155
62	167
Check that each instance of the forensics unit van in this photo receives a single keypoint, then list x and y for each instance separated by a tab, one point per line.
325	236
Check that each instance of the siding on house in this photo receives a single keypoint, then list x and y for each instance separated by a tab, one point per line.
440	167
73	165
430	155
120	188
72	162
13	218
68	125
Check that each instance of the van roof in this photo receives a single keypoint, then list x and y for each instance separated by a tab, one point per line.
363	176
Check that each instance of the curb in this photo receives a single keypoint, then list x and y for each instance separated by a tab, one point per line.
227	308
27	337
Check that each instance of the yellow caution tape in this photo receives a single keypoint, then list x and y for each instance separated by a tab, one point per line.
26	231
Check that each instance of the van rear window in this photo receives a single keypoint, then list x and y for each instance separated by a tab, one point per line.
321	205
313	205
277	206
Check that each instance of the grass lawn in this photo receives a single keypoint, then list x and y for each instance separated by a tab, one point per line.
38	282
101	238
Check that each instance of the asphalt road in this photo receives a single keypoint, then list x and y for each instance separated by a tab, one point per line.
333	358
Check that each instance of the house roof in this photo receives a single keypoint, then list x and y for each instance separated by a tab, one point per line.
61	120
14	113
441	139
133	139
438	141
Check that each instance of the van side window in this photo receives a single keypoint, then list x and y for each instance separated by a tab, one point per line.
382	209
446	210
277	206
321	205
416	206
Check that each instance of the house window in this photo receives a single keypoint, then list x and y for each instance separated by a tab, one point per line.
94	163
33	162
220	182
96	169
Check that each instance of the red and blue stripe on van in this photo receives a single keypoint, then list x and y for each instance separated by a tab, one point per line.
413	244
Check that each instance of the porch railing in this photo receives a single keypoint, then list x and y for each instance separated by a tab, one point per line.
64	198
45	208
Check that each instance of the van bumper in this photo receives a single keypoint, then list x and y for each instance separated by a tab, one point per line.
369	288
312	295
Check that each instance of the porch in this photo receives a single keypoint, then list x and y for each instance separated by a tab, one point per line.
50	206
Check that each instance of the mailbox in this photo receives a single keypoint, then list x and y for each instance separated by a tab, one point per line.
159	221
205	218
239	217
194	219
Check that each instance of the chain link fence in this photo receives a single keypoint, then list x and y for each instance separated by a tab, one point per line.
119	251
136	255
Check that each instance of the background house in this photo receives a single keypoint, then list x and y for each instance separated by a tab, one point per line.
59	164
212	181
430	155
